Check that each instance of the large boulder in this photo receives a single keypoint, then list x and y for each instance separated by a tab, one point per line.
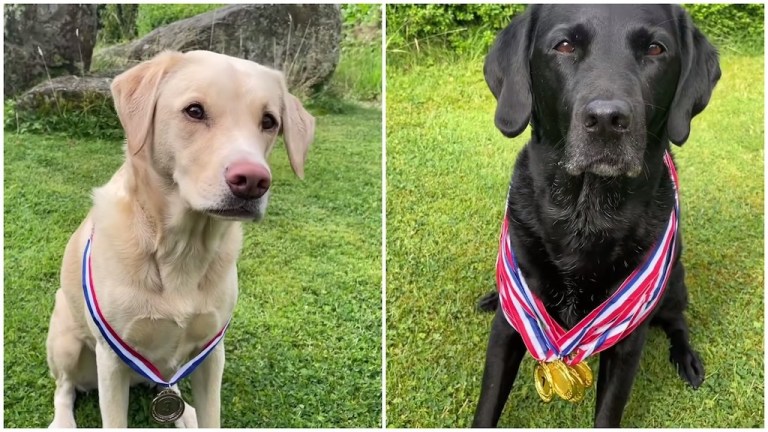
83	101
64	33
301	40
66	93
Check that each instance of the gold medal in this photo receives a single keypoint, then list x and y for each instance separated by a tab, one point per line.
167	406
568	382
543	381
562	382
579	389
582	368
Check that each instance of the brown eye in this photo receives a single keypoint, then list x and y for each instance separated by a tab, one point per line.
565	47
654	49
268	122
195	111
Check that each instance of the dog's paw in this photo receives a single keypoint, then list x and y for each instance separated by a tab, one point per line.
688	364
488	302
188	420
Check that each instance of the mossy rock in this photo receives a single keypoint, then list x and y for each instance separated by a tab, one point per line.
80	105
301	40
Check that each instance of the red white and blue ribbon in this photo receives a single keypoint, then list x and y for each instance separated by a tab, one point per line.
127	354
602	328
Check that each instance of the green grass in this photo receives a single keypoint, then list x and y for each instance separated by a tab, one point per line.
358	75
447	173
304	348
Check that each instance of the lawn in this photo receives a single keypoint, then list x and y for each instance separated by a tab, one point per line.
448	170
304	347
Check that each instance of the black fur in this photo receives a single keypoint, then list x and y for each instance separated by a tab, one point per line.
590	194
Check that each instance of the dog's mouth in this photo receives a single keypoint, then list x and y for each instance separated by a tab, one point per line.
233	208
604	167
237	213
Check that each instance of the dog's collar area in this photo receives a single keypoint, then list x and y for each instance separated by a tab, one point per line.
606	325
125	352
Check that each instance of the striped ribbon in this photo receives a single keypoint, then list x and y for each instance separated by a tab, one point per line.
127	354
605	326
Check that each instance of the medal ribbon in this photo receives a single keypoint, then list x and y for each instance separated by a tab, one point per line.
136	361
606	325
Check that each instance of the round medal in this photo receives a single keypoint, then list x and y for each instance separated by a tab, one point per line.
543	382
167	406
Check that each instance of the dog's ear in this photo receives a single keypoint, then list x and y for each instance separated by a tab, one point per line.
507	74
135	95
298	130
699	72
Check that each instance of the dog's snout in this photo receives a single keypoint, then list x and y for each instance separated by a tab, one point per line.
607	116
248	180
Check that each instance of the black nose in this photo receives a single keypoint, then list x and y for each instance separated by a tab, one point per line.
607	117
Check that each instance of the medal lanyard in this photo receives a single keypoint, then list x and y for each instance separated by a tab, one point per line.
605	326
127	354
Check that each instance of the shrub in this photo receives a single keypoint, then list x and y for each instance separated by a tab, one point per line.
368	14
732	26
469	29
96	119
460	27
152	16
117	22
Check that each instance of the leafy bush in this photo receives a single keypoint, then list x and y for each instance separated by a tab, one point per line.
361	14
97	119
470	29
117	22
733	26
152	16
358	74
464	28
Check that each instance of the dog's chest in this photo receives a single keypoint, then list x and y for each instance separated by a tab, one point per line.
169	330
169	343
170	323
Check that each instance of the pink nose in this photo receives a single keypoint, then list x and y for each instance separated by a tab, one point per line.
247	180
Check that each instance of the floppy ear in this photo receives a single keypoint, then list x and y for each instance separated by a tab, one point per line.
298	132
135	94
700	70
507	74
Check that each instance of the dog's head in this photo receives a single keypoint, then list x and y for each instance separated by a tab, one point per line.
205	123
601	81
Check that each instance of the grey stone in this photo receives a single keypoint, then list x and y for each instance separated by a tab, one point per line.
65	34
301	40
66	93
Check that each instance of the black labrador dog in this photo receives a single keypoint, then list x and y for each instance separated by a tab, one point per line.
605	89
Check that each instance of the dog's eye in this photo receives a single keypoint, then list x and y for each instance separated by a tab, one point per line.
565	47
195	111
268	122
654	49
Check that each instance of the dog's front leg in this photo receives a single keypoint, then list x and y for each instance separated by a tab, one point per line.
206	388
502	360
618	366
114	380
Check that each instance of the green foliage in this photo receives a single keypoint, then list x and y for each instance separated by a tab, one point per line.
95	118
732	26
471	29
357	78
152	16
361	14
358	74
117	22
465	28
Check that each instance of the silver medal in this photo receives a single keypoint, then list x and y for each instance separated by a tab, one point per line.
167	406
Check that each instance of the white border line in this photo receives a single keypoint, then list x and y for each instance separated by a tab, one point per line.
383	216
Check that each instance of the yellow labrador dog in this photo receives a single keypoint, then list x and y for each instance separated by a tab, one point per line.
164	233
